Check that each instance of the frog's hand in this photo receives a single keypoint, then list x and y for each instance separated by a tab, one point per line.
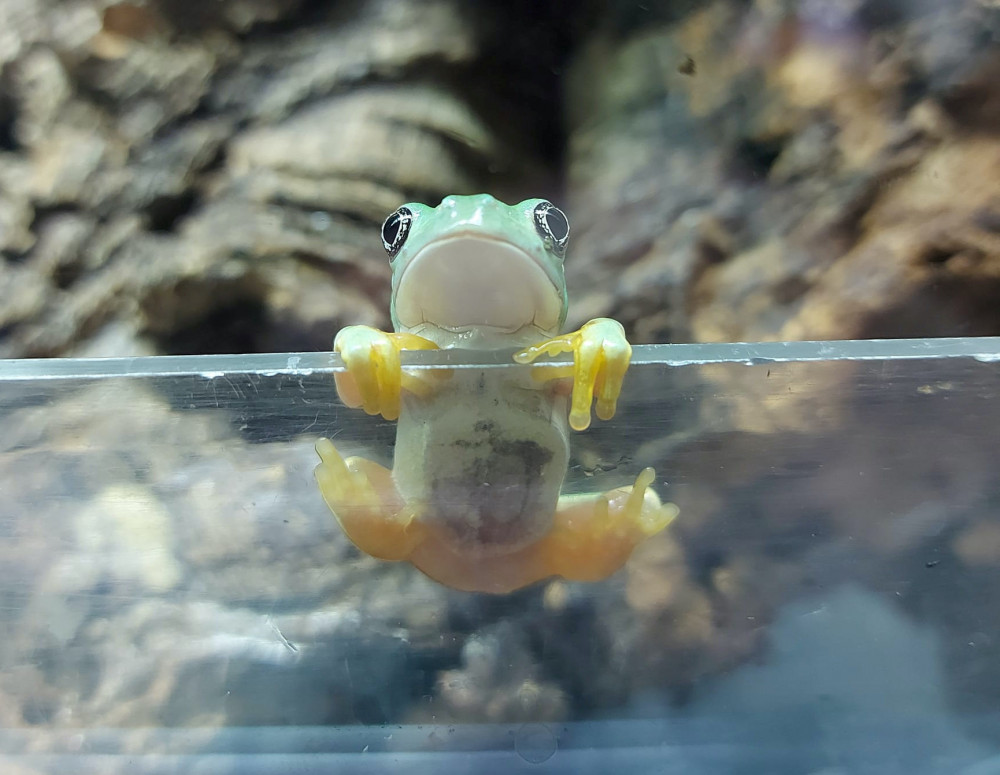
601	355
593	536
364	499
373	377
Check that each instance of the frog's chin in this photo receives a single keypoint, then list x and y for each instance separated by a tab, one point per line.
477	288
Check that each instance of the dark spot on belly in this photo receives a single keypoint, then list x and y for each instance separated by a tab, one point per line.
494	498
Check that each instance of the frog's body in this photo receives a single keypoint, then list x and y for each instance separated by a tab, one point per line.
473	498
487	454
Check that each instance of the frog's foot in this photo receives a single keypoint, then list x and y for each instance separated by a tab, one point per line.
373	377
594	536
601	355
364	499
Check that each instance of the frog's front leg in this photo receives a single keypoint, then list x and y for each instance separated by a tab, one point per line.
364	498
373	377
594	535
601	355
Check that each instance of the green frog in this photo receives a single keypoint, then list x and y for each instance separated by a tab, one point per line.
473	498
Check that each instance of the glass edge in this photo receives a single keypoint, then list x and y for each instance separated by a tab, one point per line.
984	349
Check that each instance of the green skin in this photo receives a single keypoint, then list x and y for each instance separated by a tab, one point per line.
481	455
490	223
443	454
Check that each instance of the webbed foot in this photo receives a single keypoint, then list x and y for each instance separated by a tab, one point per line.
594	536
601	356
373	377
364	499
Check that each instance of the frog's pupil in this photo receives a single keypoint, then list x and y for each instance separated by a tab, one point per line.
557	223
391	229
552	226
395	229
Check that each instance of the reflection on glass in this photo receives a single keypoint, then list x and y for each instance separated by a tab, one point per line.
172	580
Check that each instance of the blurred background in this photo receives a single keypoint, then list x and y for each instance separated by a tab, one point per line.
181	177
196	177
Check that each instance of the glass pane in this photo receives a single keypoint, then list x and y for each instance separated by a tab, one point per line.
173	585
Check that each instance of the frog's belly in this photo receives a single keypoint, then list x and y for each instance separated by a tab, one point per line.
485	459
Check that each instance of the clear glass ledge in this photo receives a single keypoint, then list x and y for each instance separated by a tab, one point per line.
176	597
306	363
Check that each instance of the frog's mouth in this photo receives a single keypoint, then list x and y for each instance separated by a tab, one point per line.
471	282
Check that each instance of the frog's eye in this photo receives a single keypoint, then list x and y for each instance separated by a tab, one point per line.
552	225
395	229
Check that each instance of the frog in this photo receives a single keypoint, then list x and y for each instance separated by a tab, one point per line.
474	496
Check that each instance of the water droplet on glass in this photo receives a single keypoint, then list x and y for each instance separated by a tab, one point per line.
535	743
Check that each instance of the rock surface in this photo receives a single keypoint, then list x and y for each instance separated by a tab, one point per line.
819	175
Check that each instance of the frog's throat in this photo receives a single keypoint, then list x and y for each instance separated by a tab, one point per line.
467	282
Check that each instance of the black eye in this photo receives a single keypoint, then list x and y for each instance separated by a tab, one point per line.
395	229
553	225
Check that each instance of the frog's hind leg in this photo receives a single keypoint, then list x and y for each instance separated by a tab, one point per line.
594	535
363	497
591	537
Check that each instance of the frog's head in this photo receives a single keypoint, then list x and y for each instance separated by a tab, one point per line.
478	270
